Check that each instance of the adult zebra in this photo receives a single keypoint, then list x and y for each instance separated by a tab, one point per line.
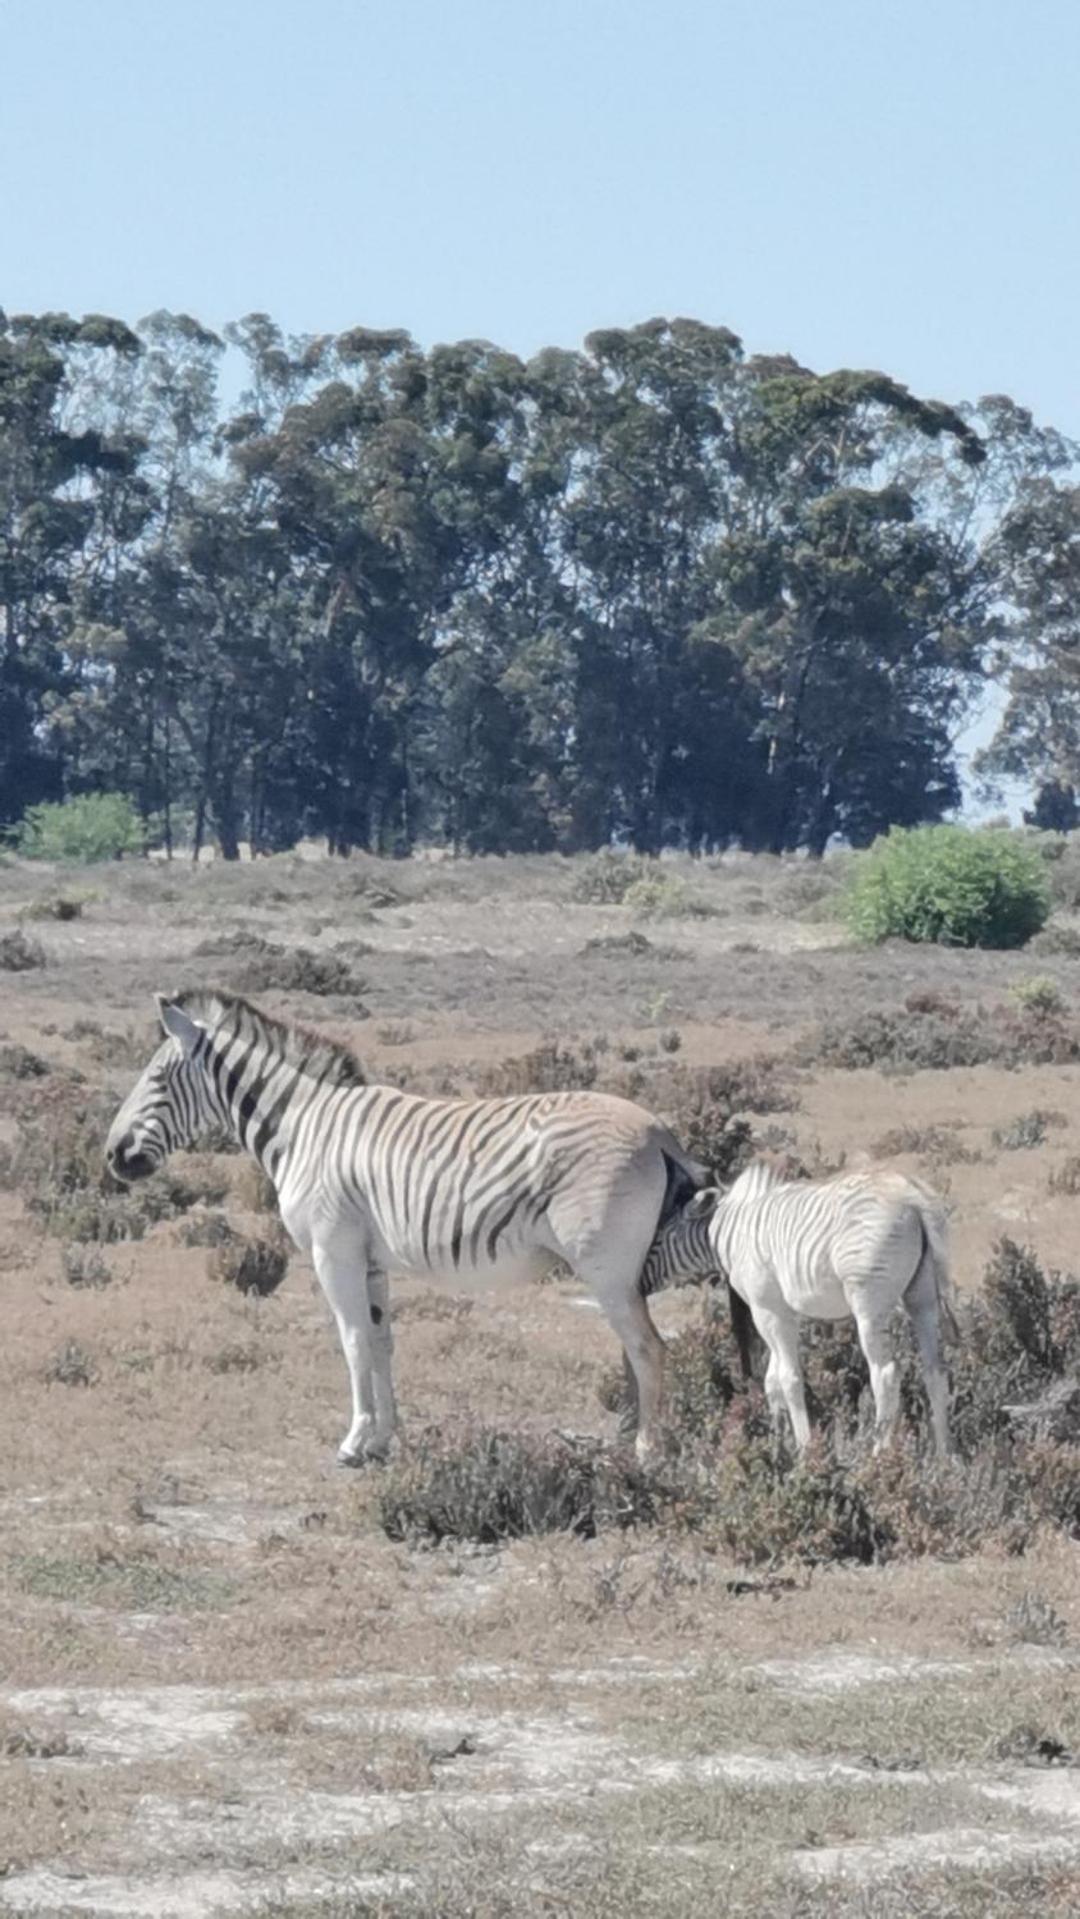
855	1245
371	1180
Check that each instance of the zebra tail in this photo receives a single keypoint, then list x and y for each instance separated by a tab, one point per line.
742	1325
685	1176
935	1247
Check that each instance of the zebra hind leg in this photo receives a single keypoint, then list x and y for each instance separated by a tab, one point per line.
784	1388
876	1342
643	1360
343	1276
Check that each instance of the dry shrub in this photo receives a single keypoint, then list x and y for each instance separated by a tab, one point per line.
816	1510
57	1165
636	944
58	906
18	1062
254	1189
83	1267
251	1265
1026	1131
1058	940
933	1033
553	1067
204	1229
298	969
222	944
939	1143
736	1481
706	1107
488	1486
19	953
1066	1177
69	1365
605	878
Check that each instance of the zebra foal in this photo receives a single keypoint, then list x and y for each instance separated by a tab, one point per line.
372	1180
856	1245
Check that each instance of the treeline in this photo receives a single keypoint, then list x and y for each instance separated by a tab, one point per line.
658	590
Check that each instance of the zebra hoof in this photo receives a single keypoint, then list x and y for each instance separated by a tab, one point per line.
375	1456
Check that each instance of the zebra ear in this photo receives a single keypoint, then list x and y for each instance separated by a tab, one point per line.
178	1024
704	1202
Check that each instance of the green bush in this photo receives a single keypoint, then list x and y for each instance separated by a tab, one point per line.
96	826
605	878
949	886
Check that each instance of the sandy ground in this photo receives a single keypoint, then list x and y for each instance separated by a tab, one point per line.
224	1689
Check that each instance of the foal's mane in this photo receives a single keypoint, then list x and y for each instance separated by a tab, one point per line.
319	1058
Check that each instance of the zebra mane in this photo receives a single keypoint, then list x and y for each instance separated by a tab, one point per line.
758	1177
323	1059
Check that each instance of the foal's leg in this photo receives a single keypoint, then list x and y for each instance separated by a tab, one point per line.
628	1416
342	1271
922	1306
779	1329
876	1342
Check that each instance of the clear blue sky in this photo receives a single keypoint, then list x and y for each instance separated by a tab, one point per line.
859	182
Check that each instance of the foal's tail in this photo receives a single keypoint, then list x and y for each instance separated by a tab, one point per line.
742	1325
936	1252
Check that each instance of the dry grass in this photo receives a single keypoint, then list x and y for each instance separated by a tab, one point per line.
173	1519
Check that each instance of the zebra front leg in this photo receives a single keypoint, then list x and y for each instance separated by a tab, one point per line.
342	1272
382	1343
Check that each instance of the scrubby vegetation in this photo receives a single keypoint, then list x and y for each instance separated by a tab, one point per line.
950	886
252	1265
89	827
19	953
734	1481
935	1032
491	1486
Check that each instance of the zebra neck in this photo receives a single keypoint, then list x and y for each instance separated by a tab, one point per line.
256	1091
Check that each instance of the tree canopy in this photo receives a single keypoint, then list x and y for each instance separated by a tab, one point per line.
659	590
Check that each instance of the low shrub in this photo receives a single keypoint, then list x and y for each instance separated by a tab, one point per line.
553	1067
1027	1130
83	1267
949	886
816	1510
931	1033
70	1365
94	826
1038	994
19	953
938	1143
1057	940
634	943
204	1229
605	878
665	896
18	1062
299	969
254	1189
1066	1177
57	906
489	1486
251	1265
58	1168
